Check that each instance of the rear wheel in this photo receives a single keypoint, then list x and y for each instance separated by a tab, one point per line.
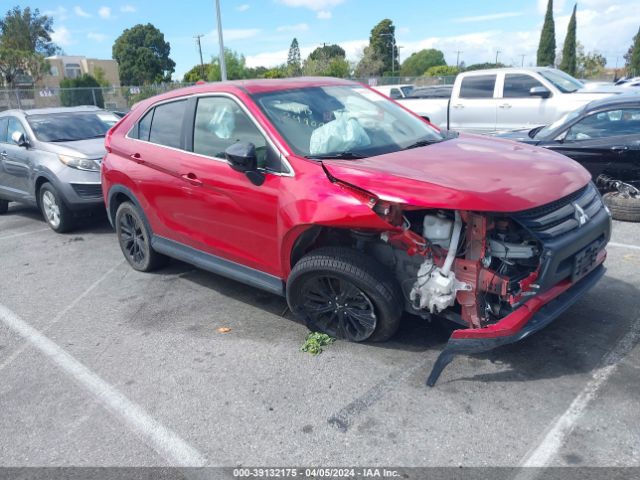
135	239
623	207
4	206
55	212
345	294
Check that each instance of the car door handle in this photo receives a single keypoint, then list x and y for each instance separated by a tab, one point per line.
458	105
4	154
192	179
619	148
505	105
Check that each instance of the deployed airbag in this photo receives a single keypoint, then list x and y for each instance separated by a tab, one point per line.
342	134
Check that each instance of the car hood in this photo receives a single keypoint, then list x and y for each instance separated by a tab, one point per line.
91	148
468	173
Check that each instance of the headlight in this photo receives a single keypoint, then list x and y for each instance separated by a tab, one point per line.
80	163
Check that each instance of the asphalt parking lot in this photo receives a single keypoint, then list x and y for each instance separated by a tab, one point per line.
104	366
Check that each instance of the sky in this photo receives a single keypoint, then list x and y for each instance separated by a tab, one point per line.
262	30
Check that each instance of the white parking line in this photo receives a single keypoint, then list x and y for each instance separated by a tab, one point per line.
553	441
623	245
64	311
14	235
160	438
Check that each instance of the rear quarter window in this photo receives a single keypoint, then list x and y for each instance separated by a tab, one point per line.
478	86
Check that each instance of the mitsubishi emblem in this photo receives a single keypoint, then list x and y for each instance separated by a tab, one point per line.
579	215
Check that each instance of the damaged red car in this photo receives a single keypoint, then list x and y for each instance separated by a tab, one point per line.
355	209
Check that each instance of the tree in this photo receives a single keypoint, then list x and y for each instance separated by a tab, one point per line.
568	63
381	56
327	51
632	57
483	66
547	45
84	90
588	65
143	56
27	31
442	71
294	62
370	63
236	66
420	62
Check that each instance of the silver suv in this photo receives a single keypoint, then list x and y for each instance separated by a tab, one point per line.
50	158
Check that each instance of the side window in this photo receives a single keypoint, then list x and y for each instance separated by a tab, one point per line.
144	126
478	86
219	123
166	125
395	93
518	85
4	123
611	123
14	126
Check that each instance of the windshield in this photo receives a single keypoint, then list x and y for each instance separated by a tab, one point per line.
563	120
323	121
71	126
406	90
563	82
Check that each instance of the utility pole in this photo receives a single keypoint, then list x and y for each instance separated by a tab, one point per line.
522	64
223	66
498	52
198	37
393	52
458	52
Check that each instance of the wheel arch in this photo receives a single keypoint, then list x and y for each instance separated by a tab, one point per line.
119	194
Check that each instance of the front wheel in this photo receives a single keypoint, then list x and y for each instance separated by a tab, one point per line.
55	212
345	294
135	239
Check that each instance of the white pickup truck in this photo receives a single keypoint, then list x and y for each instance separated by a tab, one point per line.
486	101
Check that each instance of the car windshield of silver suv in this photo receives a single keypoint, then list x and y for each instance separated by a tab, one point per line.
69	127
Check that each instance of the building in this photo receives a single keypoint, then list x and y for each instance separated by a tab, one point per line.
66	66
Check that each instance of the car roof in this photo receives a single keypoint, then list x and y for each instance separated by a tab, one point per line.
622	100
256	86
41	111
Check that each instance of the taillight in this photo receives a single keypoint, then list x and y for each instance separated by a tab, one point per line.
107	140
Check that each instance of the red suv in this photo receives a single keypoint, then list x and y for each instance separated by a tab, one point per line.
355	209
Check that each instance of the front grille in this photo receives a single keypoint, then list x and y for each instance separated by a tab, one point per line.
562	216
88	190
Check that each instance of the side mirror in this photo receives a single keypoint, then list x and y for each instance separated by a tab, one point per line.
242	158
19	139
542	92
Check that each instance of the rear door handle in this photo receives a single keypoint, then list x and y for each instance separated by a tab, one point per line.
619	148
505	105
136	157
4	154
458	105
192	179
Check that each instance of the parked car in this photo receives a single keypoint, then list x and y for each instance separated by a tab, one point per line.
50	158
604	137
432	91
395	91
486	101
328	193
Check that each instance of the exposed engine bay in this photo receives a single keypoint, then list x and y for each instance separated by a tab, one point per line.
470	268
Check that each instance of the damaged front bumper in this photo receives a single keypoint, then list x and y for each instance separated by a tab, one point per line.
531	316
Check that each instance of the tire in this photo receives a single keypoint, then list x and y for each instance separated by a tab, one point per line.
55	211
622	207
134	238
346	294
4	206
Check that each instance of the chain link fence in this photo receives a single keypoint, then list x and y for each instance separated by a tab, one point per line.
111	98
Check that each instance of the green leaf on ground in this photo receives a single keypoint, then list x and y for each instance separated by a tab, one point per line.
315	341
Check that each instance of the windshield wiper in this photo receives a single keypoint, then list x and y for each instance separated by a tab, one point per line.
336	155
423	143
